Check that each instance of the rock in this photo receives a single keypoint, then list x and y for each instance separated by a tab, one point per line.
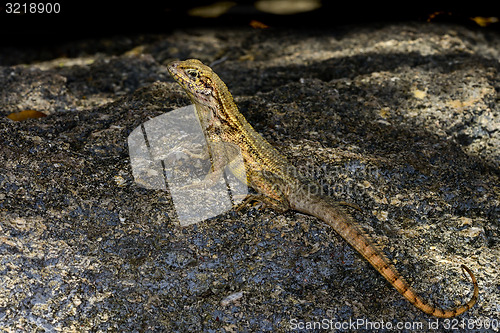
410	109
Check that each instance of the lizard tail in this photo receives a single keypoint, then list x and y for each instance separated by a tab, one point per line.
353	234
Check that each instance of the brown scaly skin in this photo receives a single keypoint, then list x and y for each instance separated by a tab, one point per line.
273	177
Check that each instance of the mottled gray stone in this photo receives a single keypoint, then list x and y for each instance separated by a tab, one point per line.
402	120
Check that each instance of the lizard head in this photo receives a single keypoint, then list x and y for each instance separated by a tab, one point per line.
214	103
198	80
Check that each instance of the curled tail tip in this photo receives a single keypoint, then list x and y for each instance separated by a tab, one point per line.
474	282
440	313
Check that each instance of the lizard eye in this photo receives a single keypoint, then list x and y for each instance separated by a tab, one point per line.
192	73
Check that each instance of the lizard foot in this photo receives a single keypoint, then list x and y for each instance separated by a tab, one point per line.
264	201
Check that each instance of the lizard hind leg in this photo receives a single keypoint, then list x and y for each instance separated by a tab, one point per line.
266	201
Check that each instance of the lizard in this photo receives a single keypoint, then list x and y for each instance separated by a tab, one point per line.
270	174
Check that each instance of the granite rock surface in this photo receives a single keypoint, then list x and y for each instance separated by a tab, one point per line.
402	120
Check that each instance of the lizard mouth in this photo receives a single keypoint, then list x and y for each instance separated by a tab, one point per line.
199	93
173	70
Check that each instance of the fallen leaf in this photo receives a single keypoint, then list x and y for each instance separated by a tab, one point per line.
26	114
258	25
484	21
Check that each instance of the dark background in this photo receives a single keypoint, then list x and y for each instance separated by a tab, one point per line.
92	19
